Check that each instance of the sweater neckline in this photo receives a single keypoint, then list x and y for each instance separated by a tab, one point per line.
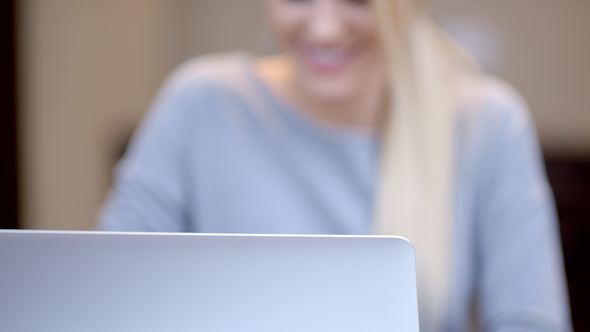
304	120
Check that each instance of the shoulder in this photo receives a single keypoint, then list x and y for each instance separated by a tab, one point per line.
493	108
209	73
196	89
215	67
502	100
495	128
206	86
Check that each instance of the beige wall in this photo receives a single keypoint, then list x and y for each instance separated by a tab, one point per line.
88	69
547	57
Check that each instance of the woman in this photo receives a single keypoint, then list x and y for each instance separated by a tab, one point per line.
371	122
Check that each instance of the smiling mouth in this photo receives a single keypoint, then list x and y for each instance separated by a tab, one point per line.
327	60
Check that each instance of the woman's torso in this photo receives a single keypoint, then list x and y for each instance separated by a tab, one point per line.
220	153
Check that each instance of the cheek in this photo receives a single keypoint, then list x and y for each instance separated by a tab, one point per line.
362	23
286	20
367	29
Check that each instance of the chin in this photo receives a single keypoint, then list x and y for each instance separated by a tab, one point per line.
331	90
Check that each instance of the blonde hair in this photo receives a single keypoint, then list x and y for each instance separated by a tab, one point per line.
414	197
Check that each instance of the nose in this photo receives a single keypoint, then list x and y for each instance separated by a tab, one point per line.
326	24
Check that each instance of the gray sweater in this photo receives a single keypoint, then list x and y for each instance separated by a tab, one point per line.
218	152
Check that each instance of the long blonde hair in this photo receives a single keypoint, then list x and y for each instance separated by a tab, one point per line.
414	197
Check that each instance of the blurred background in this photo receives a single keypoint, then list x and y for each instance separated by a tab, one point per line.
77	75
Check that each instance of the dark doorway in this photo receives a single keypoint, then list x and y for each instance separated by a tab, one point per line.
8	168
570	179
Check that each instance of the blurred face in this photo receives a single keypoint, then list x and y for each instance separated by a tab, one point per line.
334	45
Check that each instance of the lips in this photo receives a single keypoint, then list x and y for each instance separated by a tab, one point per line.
327	61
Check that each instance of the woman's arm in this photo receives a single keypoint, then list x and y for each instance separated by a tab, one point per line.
522	285
148	193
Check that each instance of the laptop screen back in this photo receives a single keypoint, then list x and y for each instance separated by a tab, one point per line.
92	281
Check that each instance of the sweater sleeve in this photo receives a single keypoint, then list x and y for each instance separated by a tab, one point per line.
522	285
148	193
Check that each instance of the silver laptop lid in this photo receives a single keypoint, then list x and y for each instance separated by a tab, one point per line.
93	281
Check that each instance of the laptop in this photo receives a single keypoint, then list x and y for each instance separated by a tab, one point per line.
101	281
